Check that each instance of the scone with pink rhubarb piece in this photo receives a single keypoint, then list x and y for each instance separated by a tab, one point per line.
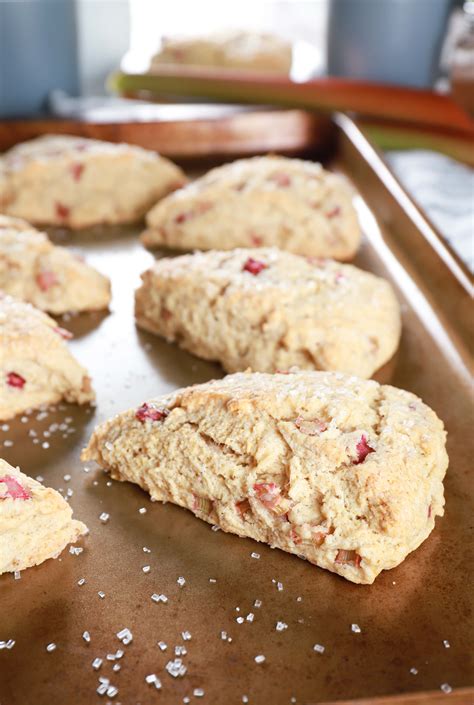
270	310
292	204
344	472
35	521
77	182
36	366
228	49
49	277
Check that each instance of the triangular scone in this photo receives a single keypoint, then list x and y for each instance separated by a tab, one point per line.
270	310
344	472
292	204
36	366
77	182
35	521
49	277
228	49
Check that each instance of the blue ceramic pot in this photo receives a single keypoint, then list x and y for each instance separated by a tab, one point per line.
389	41
38	53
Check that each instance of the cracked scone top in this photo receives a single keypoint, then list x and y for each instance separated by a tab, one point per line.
36	366
236	49
49	277
35	521
342	471
271	310
77	182
293	204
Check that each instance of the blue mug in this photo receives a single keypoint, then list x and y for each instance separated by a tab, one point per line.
388	41
38	53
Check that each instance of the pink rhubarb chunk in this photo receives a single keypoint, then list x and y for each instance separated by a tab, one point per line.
183	217
268	493
67	335
281	179
350	557
202	504
13	489
62	211
149	413
254	266
363	449
256	240
243	507
333	212
15	380
76	171
46	280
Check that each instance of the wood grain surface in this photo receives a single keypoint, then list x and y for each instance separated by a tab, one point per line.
230	131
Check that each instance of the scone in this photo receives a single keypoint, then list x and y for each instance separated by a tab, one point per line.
231	49
293	204
49	277
35	521
271	310
77	182
36	366
341	471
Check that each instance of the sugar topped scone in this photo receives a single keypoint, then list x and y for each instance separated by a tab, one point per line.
14	224
341	471
49	277
270	310
35	521
228	49
36	366
292	204
76	182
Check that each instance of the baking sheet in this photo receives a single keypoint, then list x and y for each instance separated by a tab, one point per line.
413	625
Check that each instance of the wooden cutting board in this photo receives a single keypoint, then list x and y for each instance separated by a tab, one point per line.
186	131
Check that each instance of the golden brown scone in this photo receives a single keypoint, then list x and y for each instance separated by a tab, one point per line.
77	182
341	471
36	366
271	310
231	49
264	201
35	521
49	277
